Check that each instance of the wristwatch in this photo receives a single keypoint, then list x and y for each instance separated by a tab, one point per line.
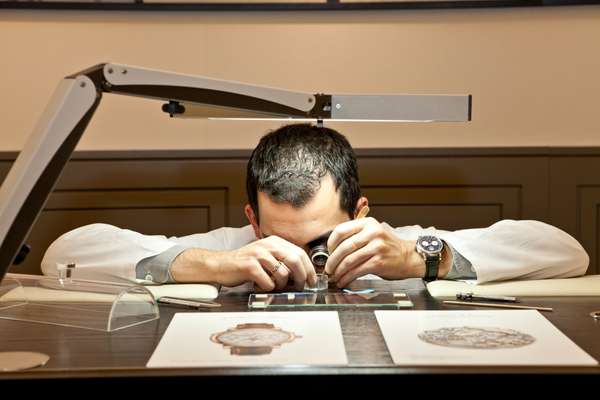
253	338
430	248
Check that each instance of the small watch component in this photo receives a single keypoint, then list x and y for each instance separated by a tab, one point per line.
322	283
65	271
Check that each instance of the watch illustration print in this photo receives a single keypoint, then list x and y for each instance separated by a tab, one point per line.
253	339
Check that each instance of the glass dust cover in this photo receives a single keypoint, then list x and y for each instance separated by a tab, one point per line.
99	302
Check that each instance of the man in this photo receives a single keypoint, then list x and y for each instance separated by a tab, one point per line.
302	184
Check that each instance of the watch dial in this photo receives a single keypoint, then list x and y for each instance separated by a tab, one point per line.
430	244
253	337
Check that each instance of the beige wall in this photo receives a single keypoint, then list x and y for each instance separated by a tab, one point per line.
534	72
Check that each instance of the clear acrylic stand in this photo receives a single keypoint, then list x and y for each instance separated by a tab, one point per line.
90	301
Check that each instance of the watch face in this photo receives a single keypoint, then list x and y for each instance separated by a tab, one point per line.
254	337
430	244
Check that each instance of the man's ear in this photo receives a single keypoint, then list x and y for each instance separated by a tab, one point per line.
252	219
360	203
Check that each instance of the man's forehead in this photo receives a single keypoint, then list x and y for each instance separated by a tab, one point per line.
301	225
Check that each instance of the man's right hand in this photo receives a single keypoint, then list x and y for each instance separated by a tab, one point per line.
270	263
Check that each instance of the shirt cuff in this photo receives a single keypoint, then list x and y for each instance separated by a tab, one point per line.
461	267
157	268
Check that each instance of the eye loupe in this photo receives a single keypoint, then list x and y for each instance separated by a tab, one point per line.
318	252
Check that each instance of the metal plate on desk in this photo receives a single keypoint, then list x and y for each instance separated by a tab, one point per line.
21	360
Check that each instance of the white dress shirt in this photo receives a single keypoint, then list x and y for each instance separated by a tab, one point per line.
506	250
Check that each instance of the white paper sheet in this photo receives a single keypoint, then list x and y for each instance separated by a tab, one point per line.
262	338
499	337
588	285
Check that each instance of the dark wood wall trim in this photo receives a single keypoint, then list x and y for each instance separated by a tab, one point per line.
175	193
289	6
360	152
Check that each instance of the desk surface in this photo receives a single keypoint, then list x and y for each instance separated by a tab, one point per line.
88	354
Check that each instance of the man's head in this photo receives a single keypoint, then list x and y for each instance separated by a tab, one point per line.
302	181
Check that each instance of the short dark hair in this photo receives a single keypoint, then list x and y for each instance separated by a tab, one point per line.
289	163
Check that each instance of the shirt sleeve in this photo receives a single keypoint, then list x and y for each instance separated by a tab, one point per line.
116	251
158	268
512	249
461	267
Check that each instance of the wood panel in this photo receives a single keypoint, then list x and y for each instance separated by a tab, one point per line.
449	208
589	221
575	200
173	212
455	192
173	173
172	197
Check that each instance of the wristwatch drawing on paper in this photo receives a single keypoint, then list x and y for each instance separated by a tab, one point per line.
430	248
253	338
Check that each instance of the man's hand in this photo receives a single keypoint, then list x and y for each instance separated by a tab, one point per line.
269	263
365	246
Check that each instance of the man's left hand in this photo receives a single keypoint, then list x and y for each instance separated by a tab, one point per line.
365	246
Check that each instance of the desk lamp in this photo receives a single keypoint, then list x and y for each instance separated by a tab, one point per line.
39	165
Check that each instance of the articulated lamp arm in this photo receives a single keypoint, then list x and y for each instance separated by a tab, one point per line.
39	165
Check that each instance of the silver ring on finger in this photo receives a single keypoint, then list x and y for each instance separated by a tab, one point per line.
276	267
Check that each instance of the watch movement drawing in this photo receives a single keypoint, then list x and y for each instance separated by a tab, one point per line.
473	337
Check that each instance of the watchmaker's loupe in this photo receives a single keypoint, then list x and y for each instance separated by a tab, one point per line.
318	252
